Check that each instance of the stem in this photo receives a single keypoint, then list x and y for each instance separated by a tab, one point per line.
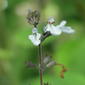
45	35
40	69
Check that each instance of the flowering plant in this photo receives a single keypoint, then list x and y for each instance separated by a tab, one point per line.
37	38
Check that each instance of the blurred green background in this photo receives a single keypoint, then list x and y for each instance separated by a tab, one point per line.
15	48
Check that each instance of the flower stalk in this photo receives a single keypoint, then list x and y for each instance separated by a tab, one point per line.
41	64
37	38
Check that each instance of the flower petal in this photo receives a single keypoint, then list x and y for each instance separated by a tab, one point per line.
51	20
55	30
67	29
35	39
63	23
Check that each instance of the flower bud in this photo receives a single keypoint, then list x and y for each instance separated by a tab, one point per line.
34	30
30	64
50	64
64	70
33	17
46	59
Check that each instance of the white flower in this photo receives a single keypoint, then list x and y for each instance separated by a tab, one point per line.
57	30
35	37
52	29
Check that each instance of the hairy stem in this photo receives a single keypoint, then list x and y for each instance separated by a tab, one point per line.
41	72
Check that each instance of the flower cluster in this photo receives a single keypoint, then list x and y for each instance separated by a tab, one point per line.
52	29
33	17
